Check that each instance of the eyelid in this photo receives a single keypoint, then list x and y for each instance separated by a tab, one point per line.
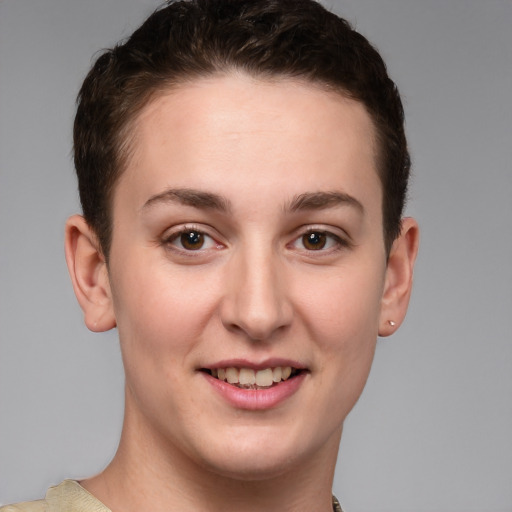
173	234
340	237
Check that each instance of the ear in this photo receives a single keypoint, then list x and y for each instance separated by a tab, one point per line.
398	281
89	274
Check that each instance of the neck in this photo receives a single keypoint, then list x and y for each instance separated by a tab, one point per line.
151	473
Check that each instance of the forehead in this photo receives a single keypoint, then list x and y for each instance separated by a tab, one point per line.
261	135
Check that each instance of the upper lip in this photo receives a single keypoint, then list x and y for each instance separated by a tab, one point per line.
260	365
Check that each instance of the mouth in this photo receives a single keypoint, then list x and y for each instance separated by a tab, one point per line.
248	378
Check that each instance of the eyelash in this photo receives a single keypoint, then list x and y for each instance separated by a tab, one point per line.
170	240
334	242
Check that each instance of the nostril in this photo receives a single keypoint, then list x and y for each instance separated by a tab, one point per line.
256	303
258	326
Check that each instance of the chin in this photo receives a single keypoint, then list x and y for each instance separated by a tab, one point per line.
265	457
250	469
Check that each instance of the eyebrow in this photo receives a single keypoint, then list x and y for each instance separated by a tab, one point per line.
190	197
210	201
323	200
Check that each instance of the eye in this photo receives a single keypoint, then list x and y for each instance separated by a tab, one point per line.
314	241
318	240
191	240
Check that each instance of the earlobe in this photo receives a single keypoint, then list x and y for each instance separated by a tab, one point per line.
89	275
399	277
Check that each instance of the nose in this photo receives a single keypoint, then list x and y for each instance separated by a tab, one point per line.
256	303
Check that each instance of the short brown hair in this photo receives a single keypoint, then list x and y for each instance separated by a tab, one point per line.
188	39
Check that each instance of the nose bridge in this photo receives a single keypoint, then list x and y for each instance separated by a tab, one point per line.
256	301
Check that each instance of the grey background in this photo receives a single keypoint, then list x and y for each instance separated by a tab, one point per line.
433	429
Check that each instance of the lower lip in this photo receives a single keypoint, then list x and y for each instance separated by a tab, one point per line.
256	399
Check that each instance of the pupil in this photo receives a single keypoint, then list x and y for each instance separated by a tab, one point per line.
192	240
314	241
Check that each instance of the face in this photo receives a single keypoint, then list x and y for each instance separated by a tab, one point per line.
247	271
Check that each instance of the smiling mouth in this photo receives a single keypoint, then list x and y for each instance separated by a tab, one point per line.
247	378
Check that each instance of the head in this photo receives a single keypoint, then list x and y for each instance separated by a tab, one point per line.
187	40
242	169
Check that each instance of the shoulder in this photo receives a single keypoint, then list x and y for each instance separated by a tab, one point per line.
68	496
26	506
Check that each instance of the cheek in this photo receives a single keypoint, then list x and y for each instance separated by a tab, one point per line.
161	317
344	306
161	313
346	328
342	315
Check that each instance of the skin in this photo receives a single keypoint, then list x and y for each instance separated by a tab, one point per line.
282	160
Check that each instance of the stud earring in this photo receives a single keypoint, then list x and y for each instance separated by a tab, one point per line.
390	322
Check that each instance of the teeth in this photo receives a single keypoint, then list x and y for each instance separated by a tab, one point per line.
277	374
264	377
232	375
248	377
